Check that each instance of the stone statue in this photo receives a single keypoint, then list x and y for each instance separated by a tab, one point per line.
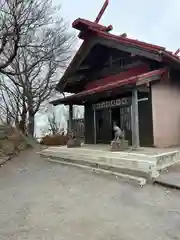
119	143
118	133
73	141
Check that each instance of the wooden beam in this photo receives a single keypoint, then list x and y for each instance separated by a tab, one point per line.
94	112
129	48
101	12
147	80
77	60
135	119
70	117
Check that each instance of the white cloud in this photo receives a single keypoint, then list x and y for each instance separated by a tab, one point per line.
152	21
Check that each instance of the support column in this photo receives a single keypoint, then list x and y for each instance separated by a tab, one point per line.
135	119
94	112
70	117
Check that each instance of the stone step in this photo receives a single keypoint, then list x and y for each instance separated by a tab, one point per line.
120	160
102	155
3	132
162	160
139	181
166	160
4	128
124	166
3	135
99	152
126	163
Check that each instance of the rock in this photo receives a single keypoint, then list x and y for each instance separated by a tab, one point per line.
2	135
12	141
4	131
7	147
4	159
74	143
119	145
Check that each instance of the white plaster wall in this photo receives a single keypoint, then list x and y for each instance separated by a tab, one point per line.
166	114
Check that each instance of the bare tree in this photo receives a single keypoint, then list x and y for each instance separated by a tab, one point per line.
9	104
53	124
17	18
13	106
39	61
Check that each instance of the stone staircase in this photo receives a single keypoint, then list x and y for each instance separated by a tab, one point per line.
3	131
129	166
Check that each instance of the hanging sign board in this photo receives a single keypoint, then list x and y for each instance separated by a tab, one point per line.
112	103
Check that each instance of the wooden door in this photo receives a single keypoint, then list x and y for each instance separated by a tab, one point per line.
125	122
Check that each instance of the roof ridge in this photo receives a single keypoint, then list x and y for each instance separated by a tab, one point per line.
85	25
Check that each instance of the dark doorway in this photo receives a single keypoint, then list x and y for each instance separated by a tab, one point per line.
122	117
125	122
115	117
103	126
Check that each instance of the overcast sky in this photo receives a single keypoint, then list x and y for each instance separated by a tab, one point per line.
155	21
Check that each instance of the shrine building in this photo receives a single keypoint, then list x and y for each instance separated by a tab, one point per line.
134	83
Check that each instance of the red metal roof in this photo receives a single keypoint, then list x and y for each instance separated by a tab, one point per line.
85	25
88	28
82	25
134	71
114	84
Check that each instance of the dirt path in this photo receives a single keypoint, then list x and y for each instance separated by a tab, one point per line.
41	200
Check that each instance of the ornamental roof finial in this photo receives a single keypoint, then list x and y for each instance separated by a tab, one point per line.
101	12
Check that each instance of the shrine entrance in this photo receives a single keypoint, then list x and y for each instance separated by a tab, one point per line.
122	117
106	113
115	118
103	126
120	111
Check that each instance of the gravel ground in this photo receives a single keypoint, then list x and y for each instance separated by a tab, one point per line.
42	200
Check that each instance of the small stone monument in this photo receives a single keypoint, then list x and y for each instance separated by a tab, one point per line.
73	141
119	143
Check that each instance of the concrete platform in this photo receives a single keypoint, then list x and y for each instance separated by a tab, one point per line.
170	177
140	165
